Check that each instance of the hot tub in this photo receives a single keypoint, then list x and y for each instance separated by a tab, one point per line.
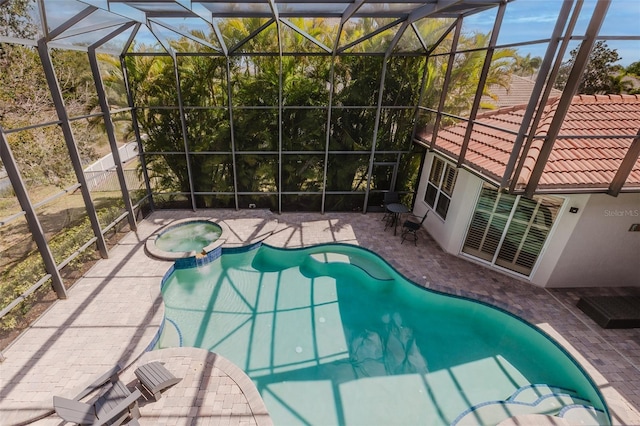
185	238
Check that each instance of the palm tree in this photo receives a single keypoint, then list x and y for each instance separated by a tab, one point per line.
255	79
526	66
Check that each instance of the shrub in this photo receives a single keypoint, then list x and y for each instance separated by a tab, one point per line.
30	269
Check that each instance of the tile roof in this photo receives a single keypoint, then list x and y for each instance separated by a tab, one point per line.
518	93
575	162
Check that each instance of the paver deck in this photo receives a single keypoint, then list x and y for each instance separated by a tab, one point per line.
114	311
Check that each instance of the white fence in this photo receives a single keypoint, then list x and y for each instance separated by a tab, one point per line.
101	175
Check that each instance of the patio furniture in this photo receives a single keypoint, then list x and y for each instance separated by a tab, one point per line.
389	198
114	405
155	378
410	229
395	209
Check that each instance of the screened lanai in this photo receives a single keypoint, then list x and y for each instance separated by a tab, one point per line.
112	109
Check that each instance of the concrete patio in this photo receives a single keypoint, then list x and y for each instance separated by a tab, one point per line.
114	311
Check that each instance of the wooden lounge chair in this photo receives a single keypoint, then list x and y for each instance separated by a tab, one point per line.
155	378
114	404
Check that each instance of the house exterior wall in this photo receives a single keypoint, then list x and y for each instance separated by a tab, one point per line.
449	233
600	251
560	234
590	248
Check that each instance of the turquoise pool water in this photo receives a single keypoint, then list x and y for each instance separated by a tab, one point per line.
189	236
332	335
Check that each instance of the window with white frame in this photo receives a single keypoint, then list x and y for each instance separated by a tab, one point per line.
442	179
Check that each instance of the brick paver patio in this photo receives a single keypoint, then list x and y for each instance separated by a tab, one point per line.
115	310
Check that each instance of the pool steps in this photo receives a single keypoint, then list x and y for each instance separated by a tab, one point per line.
535	399
583	415
355	261
325	263
171	334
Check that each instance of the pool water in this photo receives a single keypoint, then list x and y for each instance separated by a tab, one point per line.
332	335
188	236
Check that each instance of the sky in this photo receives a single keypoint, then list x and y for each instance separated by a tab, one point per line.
526	20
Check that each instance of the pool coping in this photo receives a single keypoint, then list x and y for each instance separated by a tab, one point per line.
196	368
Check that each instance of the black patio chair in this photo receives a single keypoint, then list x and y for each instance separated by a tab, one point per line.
389	198
410	229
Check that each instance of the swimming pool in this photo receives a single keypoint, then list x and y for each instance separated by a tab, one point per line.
332	334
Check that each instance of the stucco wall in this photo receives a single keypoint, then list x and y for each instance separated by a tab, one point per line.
590	248
449	233
560	234
600	251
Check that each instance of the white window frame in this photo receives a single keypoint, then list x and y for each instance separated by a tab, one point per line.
442	194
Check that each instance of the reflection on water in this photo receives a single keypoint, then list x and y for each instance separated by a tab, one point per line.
389	351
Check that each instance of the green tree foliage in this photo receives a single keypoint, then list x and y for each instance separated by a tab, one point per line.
24	100
255	77
15	20
526	66
599	75
41	152
634	69
629	79
465	76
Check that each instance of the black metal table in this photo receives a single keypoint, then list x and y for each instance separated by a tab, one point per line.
396	209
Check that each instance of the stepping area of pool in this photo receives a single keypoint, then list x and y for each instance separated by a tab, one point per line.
115	310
